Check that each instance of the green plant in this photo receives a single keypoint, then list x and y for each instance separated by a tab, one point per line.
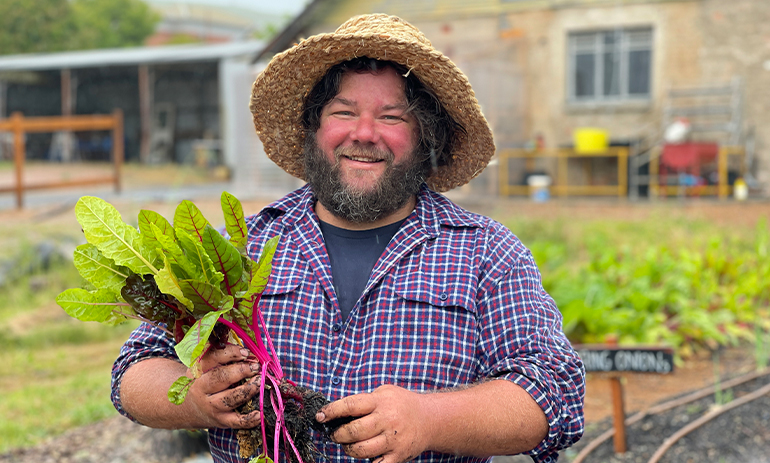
695	287
204	291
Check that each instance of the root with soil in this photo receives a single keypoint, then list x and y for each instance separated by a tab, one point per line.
300	407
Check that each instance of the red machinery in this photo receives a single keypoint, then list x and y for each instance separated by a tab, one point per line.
686	160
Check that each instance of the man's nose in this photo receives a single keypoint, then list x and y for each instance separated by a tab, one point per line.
365	130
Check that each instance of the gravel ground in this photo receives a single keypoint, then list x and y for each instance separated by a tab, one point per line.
115	440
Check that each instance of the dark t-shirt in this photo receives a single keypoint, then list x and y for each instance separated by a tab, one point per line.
353	254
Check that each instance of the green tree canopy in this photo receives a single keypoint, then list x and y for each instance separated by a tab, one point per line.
112	23
30	26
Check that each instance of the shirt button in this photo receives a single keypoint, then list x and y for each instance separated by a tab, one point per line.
336	327
443	296
336	380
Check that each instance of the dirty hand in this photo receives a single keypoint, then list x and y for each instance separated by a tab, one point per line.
214	395
392	424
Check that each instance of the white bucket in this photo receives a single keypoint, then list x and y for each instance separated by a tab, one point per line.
538	187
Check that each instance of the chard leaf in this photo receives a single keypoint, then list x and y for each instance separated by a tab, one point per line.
174	255
192	346
149	301
205	297
189	218
239	318
235	222
198	256
178	391
261	273
99	270
104	227
226	258
261	458
149	218
168	283
96	306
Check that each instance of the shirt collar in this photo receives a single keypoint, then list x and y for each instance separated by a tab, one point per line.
435	211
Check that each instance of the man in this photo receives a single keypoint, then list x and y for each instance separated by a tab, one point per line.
425	323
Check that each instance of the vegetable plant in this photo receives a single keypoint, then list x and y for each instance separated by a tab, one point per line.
203	290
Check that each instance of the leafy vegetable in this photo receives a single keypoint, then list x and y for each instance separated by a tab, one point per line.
190	280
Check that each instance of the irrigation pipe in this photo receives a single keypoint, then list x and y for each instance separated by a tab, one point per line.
705	419
665	406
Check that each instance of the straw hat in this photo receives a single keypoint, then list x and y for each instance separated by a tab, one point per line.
279	93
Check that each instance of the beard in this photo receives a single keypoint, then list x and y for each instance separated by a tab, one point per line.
397	185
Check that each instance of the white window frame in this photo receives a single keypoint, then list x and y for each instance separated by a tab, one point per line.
592	42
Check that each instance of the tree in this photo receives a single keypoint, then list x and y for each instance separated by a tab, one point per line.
30	26
112	23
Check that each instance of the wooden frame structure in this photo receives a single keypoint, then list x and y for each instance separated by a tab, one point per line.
561	186
20	126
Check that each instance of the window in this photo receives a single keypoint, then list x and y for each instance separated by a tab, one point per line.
610	66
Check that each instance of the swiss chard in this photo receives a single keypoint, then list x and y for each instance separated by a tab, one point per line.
197	285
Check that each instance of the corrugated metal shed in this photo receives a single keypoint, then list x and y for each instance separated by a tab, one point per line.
129	56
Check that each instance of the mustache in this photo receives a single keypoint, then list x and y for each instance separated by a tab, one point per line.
364	151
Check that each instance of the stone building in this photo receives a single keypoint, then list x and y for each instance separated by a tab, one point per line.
542	68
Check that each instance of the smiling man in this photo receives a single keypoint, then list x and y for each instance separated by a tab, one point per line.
427	325
361	160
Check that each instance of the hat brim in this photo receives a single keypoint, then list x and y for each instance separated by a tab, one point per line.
279	93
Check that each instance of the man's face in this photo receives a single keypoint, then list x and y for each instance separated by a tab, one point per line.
365	128
361	161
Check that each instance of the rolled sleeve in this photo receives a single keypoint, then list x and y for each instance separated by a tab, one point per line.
147	341
523	342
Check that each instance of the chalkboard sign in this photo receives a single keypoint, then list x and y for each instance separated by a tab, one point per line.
629	359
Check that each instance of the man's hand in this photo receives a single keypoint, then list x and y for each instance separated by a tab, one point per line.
211	401
217	393
393	424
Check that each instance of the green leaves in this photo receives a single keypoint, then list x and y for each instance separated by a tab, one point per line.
183	277
194	342
261	458
686	288
226	259
87	306
264	267
178	391
189	218
234	219
105	229
99	270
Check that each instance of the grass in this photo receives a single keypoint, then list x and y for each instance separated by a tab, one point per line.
54	370
56	375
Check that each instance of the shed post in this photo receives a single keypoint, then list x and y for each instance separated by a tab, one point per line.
146	86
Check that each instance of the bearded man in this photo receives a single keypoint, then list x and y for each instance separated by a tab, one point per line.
427	325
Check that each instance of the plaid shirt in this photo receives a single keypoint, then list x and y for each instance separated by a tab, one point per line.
454	298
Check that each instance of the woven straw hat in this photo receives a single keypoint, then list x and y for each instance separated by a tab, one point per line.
279	92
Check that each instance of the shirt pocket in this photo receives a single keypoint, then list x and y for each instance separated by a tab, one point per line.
435	331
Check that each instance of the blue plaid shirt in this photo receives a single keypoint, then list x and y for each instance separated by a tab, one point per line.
455	298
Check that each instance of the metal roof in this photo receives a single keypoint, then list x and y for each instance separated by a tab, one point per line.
129	56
